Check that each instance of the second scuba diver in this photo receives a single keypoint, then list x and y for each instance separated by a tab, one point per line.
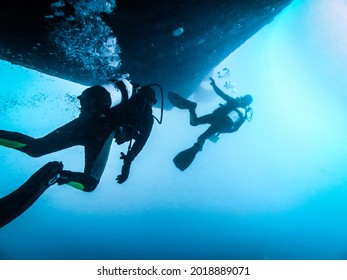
228	118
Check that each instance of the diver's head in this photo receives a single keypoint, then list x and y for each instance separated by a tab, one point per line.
149	94
95	99
245	101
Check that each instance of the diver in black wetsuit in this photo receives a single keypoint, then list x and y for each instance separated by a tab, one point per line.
228	118
95	128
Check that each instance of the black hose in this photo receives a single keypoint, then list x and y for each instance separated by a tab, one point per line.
162	103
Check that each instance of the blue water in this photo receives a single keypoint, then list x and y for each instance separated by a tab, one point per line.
276	189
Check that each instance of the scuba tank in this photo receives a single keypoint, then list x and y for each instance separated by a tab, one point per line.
121	90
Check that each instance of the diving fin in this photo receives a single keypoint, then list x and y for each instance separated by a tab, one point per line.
17	202
180	102
185	158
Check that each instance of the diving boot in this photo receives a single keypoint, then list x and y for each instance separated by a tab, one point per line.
54	175
180	102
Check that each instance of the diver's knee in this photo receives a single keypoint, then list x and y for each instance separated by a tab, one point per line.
90	185
34	148
193	121
35	153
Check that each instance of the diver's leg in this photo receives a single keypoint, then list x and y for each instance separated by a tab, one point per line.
212	130
96	155
194	120
14	140
64	137
185	158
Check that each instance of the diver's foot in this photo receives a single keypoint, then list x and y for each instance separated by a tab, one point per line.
53	180
180	102
64	177
56	170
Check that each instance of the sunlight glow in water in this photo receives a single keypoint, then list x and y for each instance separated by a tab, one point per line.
276	189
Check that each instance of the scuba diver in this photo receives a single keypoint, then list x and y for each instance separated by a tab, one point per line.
124	114
228	118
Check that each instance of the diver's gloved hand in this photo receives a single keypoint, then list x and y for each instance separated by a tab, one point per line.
125	173
125	169
212	81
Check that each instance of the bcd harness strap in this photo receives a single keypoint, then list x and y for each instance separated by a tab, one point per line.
121	86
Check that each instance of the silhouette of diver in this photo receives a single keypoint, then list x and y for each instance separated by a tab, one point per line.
124	115
95	128
228	118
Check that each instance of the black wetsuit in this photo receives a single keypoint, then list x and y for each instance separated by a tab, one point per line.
95	134
219	120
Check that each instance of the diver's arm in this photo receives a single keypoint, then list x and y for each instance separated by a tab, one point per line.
219	91
133	152
141	139
137	146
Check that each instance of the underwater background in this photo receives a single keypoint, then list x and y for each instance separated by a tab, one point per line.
276	189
